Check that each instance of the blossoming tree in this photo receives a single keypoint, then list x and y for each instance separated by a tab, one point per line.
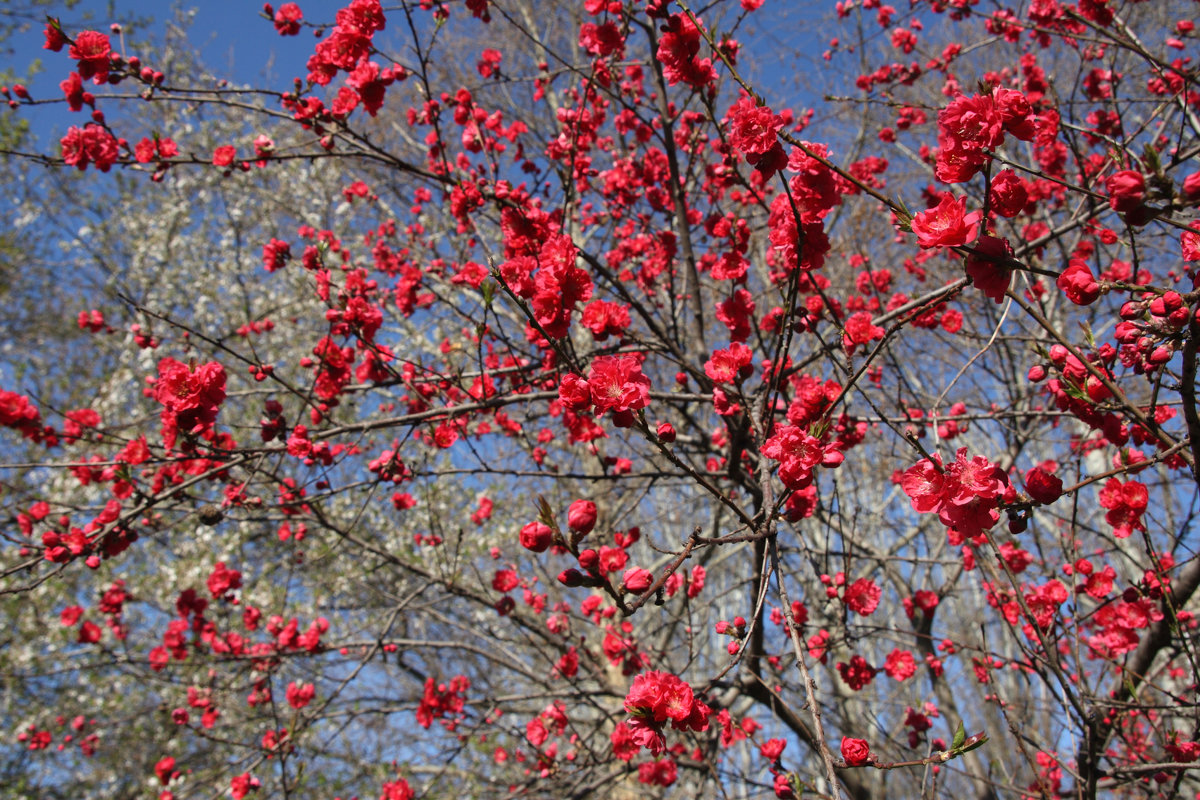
534	401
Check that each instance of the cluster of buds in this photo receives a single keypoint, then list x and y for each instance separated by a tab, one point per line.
1151	329
833	584
1076	382
735	629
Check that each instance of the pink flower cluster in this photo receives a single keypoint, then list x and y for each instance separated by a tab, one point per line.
656	697
615	383
91	144
970	126
964	494
799	453
190	397
752	132
678	51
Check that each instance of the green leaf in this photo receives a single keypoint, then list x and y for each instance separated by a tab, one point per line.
960	736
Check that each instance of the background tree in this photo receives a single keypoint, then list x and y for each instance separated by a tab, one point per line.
523	402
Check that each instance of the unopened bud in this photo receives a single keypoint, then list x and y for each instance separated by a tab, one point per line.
581	517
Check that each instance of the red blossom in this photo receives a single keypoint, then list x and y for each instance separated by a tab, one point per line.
989	266
731	365
857	674
678	52
637	580
799	453
656	697
1126	502
1008	194
860	329
1042	486
287	19
900	665
90	49
947	224
753	128
964	494
581	517
536	537
90	145
856	752
223	156
55	40
1126	190
862	597
772	749
618	385
242	785
1078	283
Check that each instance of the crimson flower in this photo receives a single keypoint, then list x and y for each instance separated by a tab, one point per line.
192	396
618	385
656	697
287	19
54	37
223	156
581	517
857	674
947	224
1042	486
536	537
1008	194
862	596
855	752
988	268
753	128
164	769
1078	283
638	579
799	453
91	49
964	494
1184	752
90	145
772	749
1126	190
900	665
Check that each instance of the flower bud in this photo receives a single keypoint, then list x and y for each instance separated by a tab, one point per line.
536	536
638	579
1042	486
589	560
571	577
856	752
666	432
1126	332
581	517
1037	373
575	393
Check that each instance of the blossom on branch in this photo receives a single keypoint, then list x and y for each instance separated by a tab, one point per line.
618	385
657	697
